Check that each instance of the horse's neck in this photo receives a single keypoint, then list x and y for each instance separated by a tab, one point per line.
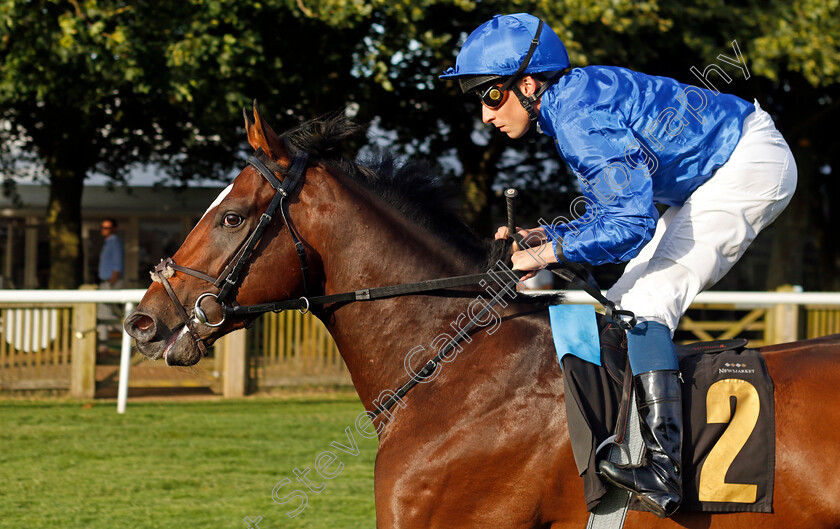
372	245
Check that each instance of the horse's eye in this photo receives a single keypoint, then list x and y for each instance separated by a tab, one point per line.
232	220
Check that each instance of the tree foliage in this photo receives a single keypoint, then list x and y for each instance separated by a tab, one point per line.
100	85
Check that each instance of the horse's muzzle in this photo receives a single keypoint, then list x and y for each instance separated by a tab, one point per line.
154	340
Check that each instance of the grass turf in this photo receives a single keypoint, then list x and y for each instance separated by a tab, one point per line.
170	464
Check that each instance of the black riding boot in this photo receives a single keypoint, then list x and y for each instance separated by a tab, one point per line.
656	481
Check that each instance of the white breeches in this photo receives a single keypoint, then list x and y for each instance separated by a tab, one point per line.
697	243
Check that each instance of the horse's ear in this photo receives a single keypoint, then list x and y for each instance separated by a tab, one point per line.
261	135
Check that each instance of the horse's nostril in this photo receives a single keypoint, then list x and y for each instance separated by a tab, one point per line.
141	326
144	323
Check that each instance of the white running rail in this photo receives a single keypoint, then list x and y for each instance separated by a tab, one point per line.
130	297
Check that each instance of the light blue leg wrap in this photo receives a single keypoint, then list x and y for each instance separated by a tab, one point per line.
650	348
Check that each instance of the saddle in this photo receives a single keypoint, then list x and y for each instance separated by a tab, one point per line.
726	390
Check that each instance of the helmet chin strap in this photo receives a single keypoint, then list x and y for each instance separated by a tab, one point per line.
527	102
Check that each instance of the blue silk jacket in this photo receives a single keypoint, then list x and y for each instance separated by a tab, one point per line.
632	140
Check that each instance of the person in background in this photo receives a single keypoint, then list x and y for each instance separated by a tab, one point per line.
110	278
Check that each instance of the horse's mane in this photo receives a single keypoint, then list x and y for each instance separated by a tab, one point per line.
411	187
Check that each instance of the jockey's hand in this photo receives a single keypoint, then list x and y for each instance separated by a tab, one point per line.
528	236
533	259
502	232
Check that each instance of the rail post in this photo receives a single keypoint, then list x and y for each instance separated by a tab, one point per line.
235	381
125	364
83	364
783	320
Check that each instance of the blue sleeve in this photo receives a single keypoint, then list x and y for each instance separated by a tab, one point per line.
619	217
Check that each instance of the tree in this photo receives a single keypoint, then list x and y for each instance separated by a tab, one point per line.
105	84
78	84
102	85
793	55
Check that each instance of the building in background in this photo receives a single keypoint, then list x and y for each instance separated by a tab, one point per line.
153	221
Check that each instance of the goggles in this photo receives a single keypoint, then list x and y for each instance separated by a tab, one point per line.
493	97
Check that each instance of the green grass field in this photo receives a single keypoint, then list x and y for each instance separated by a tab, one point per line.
181	464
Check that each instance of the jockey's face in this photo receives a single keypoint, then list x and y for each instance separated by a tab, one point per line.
510	117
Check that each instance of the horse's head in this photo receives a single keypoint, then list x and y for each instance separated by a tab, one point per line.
241	252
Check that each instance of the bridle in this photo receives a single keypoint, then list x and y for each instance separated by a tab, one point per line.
231	275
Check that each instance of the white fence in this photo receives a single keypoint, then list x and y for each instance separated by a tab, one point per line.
775	314
128	297
744	299
783	306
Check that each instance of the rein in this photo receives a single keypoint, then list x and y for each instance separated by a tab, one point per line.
231	276
303	304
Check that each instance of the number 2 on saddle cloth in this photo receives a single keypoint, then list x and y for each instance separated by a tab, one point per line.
728	445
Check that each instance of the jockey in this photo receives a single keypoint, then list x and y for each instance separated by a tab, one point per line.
633	141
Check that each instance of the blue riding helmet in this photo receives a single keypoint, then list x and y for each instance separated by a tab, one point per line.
499	47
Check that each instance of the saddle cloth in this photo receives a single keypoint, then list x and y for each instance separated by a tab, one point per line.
728	409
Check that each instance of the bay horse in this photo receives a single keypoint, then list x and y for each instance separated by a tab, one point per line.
485	443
